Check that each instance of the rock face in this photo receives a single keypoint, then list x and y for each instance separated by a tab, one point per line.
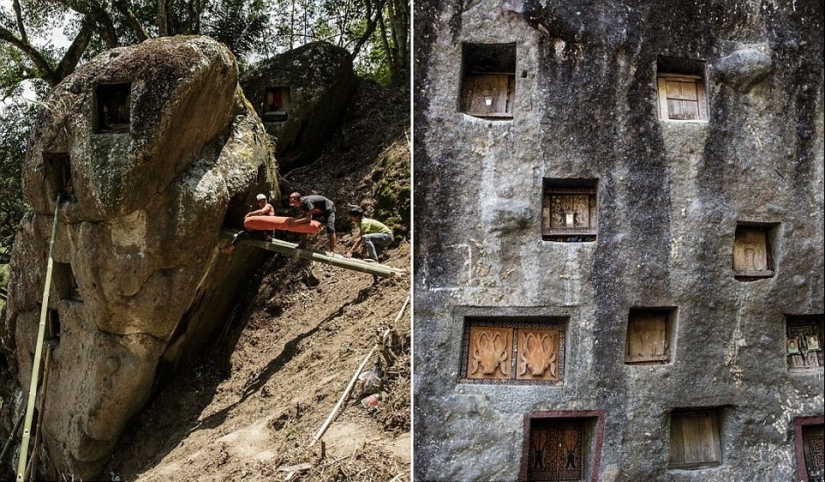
667	211
153	149
302	97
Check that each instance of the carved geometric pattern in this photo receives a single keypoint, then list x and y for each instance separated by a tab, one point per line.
556	448
538	354
814	452
507	352
490	352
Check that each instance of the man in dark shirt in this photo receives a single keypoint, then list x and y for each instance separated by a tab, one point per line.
314	206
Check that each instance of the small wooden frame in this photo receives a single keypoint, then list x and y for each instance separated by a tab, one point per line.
113	108
752	257
681	97
488	84
526	351
803	342
569	210
694	439
648	336
276	104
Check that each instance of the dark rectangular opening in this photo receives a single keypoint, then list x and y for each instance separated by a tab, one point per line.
681	89
59	175
113	108
65	283
276	104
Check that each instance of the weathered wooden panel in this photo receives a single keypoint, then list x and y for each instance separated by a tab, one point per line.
487	95
556	450
647	337
694	440
490	352
750	252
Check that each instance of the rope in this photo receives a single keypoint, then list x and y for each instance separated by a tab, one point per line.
44	310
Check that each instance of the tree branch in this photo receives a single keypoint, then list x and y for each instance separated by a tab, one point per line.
75	51
131	20
371	23
47	73
18	13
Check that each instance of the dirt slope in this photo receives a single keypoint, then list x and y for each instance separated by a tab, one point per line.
254	403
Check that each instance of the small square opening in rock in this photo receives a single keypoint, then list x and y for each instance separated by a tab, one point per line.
694	439
569	210
276	104
752	253
680	86
113	107
649	336
488	85
804	342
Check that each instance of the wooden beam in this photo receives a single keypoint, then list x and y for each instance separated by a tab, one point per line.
292	249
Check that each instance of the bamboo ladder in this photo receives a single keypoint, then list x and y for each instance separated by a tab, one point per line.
41	331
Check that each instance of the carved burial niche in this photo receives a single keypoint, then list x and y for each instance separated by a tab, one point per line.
694	439
276	104
569	210
752	254
809	439
804	342
488	86
680	85
113	108
521	350
562	446
59	175
65	284
649	335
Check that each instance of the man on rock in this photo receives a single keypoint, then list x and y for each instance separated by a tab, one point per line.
264	209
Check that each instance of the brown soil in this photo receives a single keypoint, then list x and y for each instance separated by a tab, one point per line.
249	409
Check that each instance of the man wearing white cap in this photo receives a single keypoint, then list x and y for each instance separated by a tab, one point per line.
264	209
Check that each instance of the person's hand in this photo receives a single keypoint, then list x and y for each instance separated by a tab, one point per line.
348	254
290	221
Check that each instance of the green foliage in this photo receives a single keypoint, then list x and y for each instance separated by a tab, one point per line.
15	120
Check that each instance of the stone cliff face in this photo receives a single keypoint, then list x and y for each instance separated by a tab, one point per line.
520	104
152	148
302	97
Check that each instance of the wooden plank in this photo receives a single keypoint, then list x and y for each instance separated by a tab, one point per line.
750	251
677	441
661	84
702	100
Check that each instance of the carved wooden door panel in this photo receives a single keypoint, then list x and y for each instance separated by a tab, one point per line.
490	352
556	450
813	441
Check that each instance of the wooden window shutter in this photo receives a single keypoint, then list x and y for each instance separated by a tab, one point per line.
694	440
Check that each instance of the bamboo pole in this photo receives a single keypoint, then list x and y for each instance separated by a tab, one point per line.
11	437
341	400
292	249
44	309
31	470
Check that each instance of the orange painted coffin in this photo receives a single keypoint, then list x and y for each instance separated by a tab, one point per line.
268	223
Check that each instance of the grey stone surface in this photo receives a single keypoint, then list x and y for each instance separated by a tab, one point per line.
321	82
670	195
137	235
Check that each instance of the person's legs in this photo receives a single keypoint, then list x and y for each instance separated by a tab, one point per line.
376	239
330	215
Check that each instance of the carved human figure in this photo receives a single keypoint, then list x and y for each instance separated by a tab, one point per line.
539	442
571	441
489	352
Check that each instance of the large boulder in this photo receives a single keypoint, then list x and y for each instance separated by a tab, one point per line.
302	97
153	149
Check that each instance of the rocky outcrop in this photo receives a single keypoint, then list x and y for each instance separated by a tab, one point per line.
152	148
589	101
302	97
